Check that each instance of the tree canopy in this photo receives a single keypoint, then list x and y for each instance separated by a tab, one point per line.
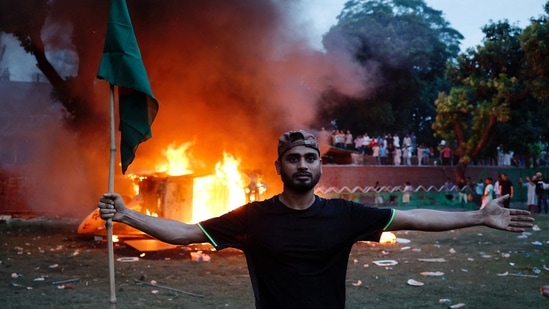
498	100
404	44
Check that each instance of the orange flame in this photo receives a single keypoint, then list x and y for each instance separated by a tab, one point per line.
212	195
221	192
178	160
387	238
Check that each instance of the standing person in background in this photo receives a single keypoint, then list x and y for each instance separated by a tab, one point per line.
446	155
359	144
406	196
541	196
339	140
375	153
396	140
506	187
368	143
530	185
420	152
449	189
497	187
404	151
379	198
407	141
397	155
390	151
488	192
413	140
462	190
382	153
349	141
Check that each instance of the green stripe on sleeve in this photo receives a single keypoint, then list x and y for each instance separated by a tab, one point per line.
393	212
210	238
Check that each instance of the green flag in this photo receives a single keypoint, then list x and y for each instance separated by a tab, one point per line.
121	65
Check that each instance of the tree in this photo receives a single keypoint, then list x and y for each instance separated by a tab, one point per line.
27	20
404	44
487	87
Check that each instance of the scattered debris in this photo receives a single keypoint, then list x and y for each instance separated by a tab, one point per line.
198	256
128	259
385	262
444	301
536	228
65	281
21	286
358	283
436	260
166	288
456	306
432	273
516	275
413	282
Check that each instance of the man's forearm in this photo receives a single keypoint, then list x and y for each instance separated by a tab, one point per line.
166	230
434	220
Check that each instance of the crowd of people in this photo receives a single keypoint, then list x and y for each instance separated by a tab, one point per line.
488	189
391	149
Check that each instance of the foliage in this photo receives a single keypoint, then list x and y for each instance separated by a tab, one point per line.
404	44
487	87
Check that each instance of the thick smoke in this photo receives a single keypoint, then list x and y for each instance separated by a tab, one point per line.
229	76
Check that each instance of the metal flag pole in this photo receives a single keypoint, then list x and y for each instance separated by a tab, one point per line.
108	224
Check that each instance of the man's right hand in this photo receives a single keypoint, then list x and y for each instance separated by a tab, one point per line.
111	206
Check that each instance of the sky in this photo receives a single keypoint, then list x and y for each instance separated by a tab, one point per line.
466	16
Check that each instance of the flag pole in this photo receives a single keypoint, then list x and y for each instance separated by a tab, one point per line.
108	224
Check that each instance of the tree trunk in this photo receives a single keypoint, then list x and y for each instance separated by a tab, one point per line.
459	171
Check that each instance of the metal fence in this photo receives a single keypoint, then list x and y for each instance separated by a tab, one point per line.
420	197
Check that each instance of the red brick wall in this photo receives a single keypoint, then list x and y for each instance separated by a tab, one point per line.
366	175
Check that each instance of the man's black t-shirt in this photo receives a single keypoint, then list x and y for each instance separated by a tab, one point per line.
297	258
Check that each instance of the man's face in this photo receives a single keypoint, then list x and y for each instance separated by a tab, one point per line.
299	168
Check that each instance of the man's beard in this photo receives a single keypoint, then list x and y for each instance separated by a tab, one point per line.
299	186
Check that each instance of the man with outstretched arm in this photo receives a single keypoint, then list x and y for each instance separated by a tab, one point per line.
296	243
